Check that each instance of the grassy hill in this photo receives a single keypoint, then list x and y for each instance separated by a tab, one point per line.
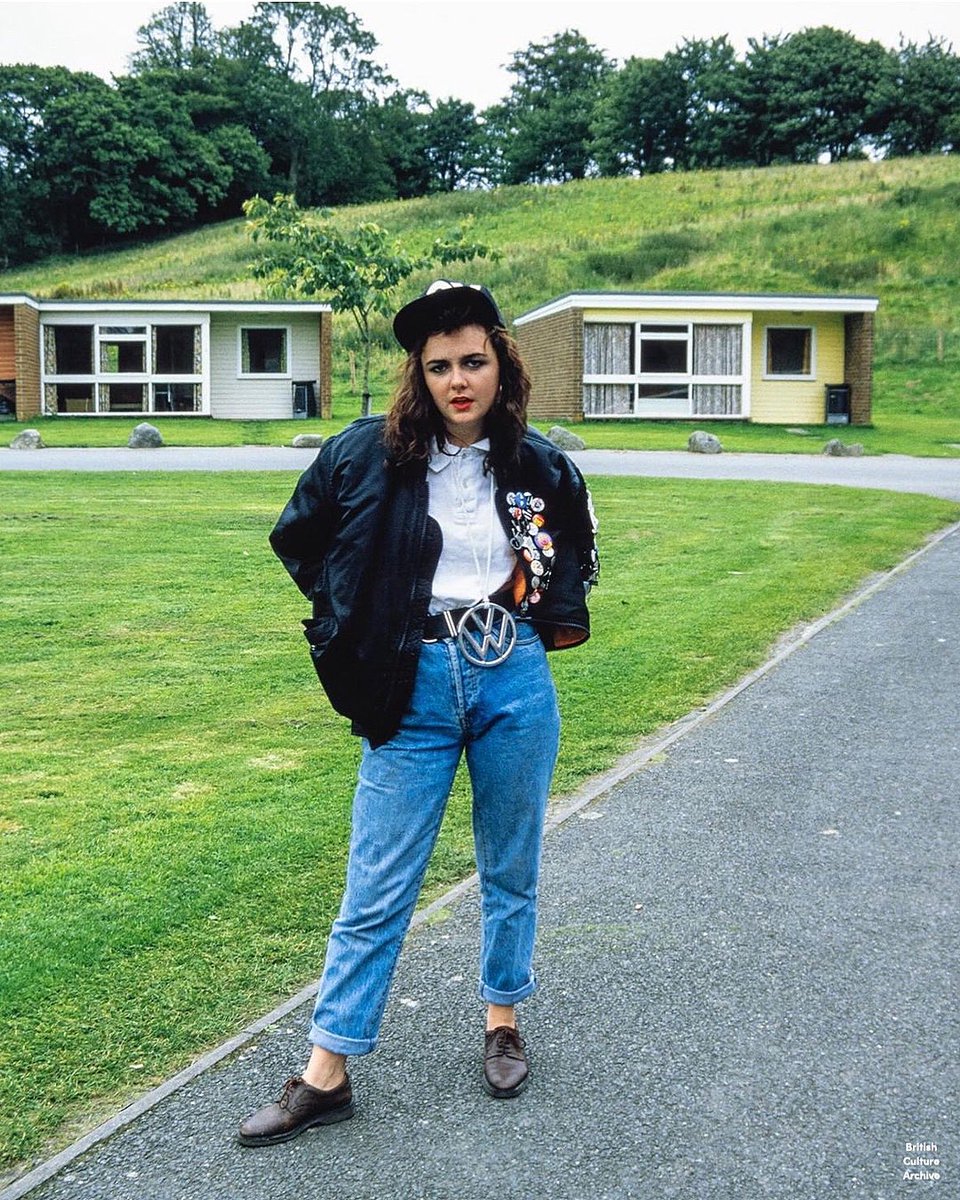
888	228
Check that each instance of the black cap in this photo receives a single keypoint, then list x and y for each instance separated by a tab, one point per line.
442	304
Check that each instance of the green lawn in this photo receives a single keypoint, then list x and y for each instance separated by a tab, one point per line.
175	803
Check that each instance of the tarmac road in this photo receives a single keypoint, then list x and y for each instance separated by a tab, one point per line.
933	476
748	962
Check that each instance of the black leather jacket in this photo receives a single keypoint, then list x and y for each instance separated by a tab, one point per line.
357	540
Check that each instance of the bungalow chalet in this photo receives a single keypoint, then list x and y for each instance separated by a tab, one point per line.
215	358
772	359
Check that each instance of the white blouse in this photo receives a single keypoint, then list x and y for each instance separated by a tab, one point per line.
476	559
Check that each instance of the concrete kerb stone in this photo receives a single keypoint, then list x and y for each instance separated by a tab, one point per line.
560	812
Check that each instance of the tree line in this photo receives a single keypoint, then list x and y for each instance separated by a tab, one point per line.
293	101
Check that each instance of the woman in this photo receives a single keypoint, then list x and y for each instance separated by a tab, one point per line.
444	548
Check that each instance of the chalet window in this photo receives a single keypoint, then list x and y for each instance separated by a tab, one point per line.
68	350
664	349
263	351
176	397
123	357
608	349
122	398
114	368
176	349
662	369
789	352
71	397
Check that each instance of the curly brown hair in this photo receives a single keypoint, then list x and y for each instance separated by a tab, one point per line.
413	421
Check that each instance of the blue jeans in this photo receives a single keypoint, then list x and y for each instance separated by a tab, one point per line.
505	719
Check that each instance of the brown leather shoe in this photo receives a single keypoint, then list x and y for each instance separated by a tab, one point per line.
505	1066
300	1107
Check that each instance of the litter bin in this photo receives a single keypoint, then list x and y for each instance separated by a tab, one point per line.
838	403
305	398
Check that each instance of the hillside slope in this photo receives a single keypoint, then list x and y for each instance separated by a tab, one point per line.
888	228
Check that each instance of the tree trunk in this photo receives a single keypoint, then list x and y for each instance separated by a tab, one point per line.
365	400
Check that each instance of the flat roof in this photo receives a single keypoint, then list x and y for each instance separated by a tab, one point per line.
720	301
270	306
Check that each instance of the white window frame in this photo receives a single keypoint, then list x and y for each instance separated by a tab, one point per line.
286	331
101	336
148	378
684	330
775	376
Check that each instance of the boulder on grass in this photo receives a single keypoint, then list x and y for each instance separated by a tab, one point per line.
307	441
702	442
28	439
145	437
563	439
838	449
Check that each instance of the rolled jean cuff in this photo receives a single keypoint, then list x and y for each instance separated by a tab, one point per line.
341	1045
492	996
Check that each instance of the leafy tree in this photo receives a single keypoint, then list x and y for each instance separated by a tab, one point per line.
29	220
705	70
639	126
752	137
357	271
923	100
543	126
452	144
177	37
396	127
326	46
304	77
823	93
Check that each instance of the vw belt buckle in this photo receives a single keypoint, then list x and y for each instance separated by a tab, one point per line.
486	635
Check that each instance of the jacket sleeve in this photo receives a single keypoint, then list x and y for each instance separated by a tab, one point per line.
584	527
306	526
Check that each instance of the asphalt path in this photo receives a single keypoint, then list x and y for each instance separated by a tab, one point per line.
893	472
748	963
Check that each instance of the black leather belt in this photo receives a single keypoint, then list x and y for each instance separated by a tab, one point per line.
444	624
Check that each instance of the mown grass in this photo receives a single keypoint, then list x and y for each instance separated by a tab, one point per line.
175	803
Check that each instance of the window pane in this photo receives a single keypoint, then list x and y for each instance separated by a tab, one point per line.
608	349
264	351
676	330
605	399
663	357
74	397
122	397
663	391
788	351
174	349
176	397
114	330
72	350
716	399
123	358
717	349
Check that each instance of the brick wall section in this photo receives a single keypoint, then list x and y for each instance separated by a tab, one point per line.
26	326
858	365
552	348
325	398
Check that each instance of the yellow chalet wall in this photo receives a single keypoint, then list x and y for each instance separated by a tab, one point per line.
779	401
